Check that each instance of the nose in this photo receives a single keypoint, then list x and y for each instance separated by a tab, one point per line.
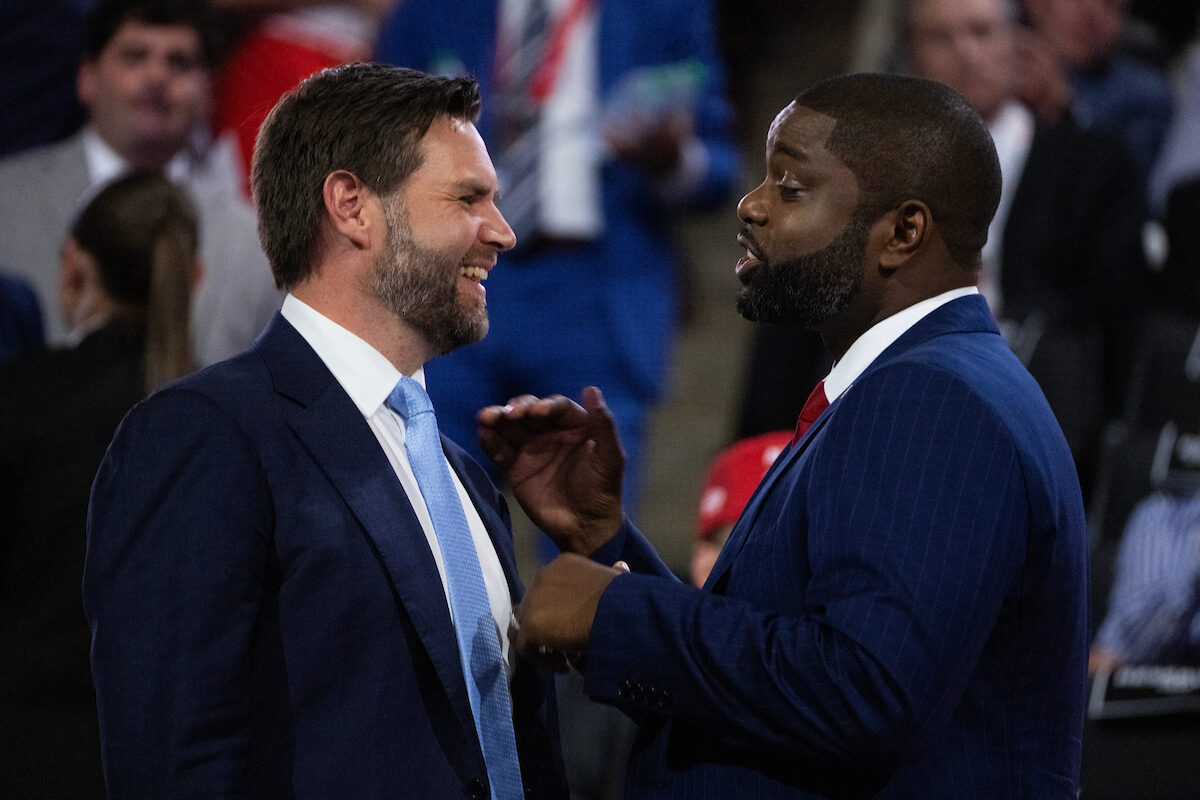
158	69
497	232
751	209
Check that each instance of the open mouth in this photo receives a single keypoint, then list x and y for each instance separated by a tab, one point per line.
478	274
750	261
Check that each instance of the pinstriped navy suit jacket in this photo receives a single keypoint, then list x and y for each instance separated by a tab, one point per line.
900	612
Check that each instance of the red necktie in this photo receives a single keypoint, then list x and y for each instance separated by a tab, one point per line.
813	406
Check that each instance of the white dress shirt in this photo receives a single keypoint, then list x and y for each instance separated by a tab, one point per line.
368	377
881	336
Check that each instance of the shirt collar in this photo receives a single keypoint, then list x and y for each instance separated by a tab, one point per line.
879	337
105	163
365	373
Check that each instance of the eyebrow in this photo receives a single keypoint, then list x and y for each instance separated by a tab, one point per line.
474	187
791	152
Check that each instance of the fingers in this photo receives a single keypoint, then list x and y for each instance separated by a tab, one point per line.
495	447
541	655
593	399
555	411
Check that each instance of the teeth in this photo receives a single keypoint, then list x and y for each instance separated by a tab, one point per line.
750	253
474	273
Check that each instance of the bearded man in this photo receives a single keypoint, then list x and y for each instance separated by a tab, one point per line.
901	610
295	588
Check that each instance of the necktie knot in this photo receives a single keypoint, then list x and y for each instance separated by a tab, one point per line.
813	406
409	398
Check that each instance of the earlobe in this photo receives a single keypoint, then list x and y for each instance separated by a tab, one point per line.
908	228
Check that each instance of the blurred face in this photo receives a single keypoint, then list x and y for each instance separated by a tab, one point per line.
805	245
704	555
967	45
444	234
146	90
1081	32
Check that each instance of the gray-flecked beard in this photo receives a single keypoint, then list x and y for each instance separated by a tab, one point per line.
809	290
420	286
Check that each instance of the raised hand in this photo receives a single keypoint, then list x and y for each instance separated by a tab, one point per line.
563	462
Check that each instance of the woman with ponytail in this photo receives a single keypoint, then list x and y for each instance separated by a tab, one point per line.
130	262
127	272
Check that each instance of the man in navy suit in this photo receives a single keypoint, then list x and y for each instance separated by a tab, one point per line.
269	592
900	611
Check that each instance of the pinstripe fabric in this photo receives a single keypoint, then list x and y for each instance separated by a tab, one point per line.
1154	611
901	612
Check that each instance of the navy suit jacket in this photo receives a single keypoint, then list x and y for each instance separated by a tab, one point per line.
267	617
900	612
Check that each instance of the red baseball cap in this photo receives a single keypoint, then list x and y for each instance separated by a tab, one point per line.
732	478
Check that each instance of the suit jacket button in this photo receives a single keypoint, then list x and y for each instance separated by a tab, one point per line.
625	689
637	693
476	790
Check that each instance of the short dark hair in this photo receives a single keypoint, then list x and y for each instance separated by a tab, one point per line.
367	119
110	15
907	138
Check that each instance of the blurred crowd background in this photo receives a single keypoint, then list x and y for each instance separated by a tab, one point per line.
1093	268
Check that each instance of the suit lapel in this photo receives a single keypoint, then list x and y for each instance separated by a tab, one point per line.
487	501
334	433
745	521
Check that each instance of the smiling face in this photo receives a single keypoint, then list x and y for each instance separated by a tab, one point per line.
967	45
805	244
146	90
444	233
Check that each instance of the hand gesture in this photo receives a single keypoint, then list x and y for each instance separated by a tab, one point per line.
563	462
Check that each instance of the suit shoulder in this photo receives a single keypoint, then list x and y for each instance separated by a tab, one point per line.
972	377
977	371
235	389
46	160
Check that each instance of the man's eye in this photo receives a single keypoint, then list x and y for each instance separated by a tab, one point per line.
132	55
182	64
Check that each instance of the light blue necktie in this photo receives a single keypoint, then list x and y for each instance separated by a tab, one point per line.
474	625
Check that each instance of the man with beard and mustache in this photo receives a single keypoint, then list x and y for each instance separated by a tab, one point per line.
294	588
901	610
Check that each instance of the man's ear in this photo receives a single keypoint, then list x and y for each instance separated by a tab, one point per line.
85	82
77	274
75	267
199	270
346	201
909	225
